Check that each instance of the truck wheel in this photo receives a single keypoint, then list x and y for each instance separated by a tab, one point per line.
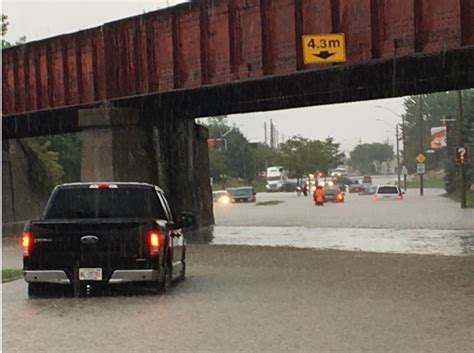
36	290
182	276
164	285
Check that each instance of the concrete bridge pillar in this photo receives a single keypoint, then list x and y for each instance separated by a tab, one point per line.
167	149
113	146
20	200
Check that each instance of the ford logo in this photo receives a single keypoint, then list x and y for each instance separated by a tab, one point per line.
89	239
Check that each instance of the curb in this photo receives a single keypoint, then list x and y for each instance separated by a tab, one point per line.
10	279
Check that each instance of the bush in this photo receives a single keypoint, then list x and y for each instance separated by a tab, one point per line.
45	172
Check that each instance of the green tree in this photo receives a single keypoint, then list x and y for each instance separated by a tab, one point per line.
364	155
5	43
44	170
335	157
302	156
437	106
68	148
5	24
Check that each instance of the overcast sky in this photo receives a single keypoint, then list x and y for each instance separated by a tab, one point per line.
347	123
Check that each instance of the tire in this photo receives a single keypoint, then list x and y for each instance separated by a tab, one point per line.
36	290
182	276
164	284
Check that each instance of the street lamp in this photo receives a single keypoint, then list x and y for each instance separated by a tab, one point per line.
398	148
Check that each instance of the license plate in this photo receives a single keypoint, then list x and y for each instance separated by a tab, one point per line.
90	274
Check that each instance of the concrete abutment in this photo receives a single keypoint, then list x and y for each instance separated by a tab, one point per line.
167	149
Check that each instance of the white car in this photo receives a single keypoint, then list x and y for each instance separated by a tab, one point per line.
388	192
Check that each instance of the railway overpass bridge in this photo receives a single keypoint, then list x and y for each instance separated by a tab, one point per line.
133	87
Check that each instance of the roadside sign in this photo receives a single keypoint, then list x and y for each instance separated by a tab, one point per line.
420	158
324	48
462	155
404	170
420	168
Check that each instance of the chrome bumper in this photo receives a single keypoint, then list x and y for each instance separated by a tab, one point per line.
118	276
58	277
124	276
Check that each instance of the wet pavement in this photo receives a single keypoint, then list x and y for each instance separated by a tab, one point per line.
260	299
389	291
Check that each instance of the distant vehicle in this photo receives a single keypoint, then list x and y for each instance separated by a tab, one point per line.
339	171
368	190
222	197
355	187
93	235
367	181
388	192
243	194
276	177
333	195
289	186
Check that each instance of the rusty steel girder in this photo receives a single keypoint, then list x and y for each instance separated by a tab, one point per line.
214	42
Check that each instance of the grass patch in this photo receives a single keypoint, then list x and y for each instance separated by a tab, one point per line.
268	203
457	197
430	180
470	199
10	275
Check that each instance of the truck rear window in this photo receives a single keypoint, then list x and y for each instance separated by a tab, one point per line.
387	190
105	203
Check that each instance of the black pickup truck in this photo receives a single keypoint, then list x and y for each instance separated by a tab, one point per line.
94	235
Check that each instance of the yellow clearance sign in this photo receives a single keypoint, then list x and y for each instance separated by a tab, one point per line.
324	48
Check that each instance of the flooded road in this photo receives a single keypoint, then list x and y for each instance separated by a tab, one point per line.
404	283
402	241
261	299
433	211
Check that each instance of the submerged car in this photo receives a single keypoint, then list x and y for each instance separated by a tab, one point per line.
388	192
333	195
222	197
368	190
243	194
355	187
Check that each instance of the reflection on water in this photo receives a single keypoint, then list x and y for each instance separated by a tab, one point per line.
404	241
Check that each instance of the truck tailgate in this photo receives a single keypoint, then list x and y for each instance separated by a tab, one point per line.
106	243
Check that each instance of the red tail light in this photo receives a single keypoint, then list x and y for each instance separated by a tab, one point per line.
399	197
376	197
154	241
26	243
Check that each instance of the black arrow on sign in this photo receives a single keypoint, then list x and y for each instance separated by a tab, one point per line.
324	54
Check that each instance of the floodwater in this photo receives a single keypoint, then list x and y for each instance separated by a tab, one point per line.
402	241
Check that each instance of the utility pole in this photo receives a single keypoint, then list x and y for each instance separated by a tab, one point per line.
398	156
462	174
404	151
265	129
272	134
420	122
